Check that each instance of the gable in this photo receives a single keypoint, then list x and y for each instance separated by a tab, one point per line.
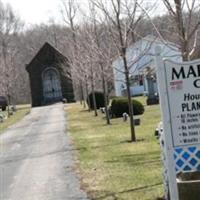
142	54
46	55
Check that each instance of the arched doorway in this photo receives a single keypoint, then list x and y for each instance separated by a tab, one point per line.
51	86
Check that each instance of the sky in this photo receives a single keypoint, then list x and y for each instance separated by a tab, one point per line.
37	11
40	11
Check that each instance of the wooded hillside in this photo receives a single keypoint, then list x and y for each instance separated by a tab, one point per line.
92	45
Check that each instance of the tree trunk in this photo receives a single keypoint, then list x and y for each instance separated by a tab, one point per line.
94	101
8	97
93	94
7	76
133	136
181	30
105	95
82	95
87	94
130	105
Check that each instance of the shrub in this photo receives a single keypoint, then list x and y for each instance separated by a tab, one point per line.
99	100
120	106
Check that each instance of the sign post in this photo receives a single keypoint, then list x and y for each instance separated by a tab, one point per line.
179	89
162	86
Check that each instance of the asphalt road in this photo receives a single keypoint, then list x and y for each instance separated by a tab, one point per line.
36	159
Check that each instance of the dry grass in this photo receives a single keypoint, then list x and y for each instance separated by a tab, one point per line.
110	166
22	110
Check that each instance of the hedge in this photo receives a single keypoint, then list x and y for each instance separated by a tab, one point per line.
120	106
99	100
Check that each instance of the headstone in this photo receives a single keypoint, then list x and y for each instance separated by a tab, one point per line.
13	108
125	116
1	119
102	110
11	112
137	122
152	96
64	100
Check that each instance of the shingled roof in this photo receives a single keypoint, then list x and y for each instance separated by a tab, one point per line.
45	48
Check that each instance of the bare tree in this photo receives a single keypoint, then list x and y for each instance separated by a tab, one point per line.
88	59
10	25
122	18
69	13
98	51
185	17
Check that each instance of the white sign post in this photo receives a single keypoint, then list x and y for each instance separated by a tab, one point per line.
179	89
162	87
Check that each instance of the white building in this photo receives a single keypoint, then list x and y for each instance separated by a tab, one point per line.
141	62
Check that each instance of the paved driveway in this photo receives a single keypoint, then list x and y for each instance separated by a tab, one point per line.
36	161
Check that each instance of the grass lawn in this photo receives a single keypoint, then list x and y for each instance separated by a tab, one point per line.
22	110
110	166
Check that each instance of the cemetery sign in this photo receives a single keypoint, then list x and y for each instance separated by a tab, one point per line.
183	93
179	93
